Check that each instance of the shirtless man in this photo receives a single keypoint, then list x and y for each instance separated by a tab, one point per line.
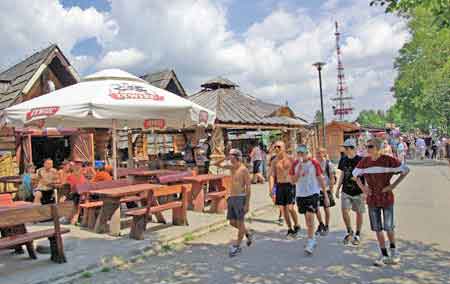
285	194
239	198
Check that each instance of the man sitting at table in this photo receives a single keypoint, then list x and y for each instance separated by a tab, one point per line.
47	179
102	175
75	178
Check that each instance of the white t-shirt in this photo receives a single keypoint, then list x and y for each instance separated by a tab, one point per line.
308	172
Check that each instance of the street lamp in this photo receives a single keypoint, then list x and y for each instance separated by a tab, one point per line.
319	66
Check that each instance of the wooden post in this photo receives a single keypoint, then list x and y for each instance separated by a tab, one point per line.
130	150
218	148
114	147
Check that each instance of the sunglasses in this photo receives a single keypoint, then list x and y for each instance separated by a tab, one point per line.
349	147
277	147
370	146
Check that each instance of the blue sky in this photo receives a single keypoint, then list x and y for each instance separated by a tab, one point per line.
266	46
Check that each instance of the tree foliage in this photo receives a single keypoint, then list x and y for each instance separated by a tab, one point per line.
422	87
440	9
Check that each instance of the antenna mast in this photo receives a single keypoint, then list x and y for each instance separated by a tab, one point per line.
340	110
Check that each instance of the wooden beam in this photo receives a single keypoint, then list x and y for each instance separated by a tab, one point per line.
257	126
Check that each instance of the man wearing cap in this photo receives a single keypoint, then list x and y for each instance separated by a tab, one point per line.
309	180
352	195
239	198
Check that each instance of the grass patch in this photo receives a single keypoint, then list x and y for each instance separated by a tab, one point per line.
86	274
106	269
188	237
166	248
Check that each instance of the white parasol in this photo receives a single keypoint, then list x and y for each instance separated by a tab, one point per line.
109	99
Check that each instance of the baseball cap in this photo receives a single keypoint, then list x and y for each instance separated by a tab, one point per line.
302	148
236	152
349	143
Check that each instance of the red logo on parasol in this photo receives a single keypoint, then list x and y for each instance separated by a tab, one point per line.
154	123
126	91
42	112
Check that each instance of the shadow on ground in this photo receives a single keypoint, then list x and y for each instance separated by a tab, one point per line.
273	259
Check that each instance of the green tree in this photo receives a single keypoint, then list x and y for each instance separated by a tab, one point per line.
440	9
372	118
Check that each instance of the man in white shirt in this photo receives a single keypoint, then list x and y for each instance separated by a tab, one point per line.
309	181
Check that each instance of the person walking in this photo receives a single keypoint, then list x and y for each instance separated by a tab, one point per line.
256	157
239	198
377	170
309	181
329	174
273	183
352	196
420	148
285	195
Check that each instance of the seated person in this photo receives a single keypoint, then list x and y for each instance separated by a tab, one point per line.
75	178
64	172
28	183
102	175
88	170
47	179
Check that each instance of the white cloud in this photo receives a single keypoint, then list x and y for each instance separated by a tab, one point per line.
271	60
124	58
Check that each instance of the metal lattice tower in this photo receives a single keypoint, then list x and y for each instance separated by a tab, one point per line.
342	108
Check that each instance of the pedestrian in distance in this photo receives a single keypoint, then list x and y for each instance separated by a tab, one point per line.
352	196
378	170
239	198
329	174
285	191
309	181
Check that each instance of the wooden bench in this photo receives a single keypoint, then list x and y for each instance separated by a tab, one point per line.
17	216
218	198
179	207
89	207
174	178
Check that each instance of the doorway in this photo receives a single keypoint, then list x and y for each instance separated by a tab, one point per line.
55	148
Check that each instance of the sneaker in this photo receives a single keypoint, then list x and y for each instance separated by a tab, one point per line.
296	229
348	238
310	245
326	230
356	240
234	250
249	237
381	261
280	221
319	230
290	233
395	256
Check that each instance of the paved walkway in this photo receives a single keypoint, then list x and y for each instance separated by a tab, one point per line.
86	250
423	229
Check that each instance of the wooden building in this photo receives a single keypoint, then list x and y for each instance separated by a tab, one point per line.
239	112
40	73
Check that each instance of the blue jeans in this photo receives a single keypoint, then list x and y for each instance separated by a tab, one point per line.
379	223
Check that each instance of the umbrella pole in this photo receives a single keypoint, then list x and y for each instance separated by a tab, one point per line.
114	147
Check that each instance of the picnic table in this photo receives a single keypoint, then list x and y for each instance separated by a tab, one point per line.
16	180
197	196
140	175
18	229
110	210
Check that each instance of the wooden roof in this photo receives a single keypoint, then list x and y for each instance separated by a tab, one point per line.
167	80
19	78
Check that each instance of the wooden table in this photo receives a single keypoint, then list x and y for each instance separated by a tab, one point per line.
197	196
146	175
10	179
111	205
20	229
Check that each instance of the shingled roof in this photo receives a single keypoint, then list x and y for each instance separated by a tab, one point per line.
167	80
15	79
233	106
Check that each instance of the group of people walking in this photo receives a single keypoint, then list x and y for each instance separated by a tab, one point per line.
311	183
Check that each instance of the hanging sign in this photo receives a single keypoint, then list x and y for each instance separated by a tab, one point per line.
154	124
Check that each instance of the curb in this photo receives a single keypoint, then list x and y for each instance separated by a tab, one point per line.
154	248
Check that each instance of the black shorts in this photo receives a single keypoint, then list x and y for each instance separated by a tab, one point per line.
48	196
308	204
256	167
330	198
285	194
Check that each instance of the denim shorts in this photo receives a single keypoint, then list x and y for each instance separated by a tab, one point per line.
382	219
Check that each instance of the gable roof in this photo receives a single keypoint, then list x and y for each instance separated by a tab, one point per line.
233	106
162	79
17	77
